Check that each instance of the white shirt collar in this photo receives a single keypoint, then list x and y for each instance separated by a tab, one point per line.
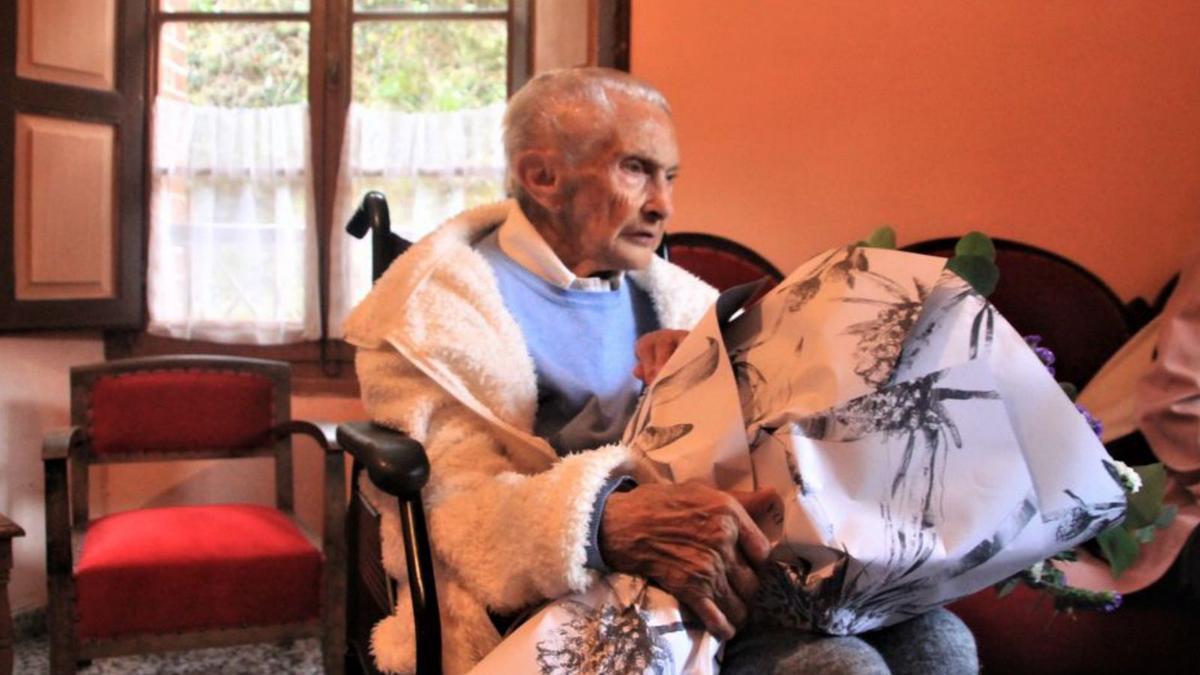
520	240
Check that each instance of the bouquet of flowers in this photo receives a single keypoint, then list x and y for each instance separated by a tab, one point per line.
921	448
1144	486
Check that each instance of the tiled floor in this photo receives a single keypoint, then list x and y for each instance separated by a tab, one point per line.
300	658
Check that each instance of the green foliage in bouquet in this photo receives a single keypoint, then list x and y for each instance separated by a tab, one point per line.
975	260
974	257
882	237
1145	513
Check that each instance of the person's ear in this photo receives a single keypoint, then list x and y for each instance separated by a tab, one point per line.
539	173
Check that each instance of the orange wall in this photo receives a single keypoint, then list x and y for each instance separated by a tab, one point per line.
1073	125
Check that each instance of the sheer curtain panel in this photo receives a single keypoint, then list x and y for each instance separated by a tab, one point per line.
233	249
429	165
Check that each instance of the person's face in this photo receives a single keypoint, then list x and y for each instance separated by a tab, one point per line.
616	202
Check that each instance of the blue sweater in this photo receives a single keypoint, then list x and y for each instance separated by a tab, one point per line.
582	348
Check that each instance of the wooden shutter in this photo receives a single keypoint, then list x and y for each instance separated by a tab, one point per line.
72	108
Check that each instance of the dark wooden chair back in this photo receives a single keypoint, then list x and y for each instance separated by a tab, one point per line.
181	407
1042	293
721	262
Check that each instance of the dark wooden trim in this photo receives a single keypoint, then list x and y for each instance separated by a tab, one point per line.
332	73
133	215
8	122
522	19
8	530
500	14
127	344
180	455
262	17
310	376
67	102
612	33
229	17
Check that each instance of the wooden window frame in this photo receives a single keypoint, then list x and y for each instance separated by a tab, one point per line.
322	366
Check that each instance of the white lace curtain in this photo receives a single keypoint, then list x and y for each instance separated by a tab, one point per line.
233	247
430	166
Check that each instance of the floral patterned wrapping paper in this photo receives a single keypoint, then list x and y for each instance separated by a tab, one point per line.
620	626
921	449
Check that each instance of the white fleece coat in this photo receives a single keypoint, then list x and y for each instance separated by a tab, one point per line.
441	358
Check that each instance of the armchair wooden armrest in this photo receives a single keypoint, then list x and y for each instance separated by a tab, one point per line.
59	442
333	544
58	448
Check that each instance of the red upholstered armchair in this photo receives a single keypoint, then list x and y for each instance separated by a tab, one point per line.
182	577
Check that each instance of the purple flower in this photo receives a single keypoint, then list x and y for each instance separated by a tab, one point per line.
1069	598
1045	355
1095	424
1113	603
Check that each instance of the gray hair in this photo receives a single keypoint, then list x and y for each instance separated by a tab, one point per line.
559	108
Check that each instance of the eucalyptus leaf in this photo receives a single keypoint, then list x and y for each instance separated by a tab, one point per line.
1144	535
979	271
1165	516
1146	503
882	237
1119	548
976	243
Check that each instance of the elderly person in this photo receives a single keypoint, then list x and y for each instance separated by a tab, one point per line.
510	342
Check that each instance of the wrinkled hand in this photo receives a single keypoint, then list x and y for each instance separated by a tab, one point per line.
652	351
698	543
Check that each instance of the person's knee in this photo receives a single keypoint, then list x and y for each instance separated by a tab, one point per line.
834	656
783	652
935	642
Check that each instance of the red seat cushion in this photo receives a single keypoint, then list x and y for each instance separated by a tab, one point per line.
179	410
185	568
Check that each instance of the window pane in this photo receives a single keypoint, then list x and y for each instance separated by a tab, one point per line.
234	5
430	5
236	65
430	66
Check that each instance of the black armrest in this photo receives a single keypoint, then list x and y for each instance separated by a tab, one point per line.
398	465
395	462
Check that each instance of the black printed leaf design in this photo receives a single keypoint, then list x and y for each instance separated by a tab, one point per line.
799	293
687	377
652	438
1077	521
982	552
984	326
